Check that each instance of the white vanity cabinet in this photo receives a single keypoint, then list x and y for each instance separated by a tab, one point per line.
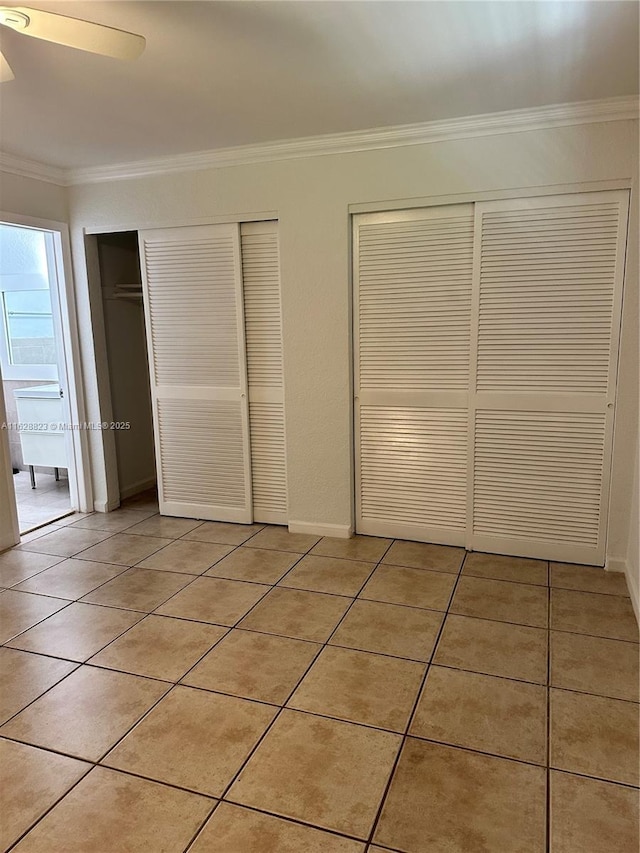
41	417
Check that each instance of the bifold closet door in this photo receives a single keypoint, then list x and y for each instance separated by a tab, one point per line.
263	325
192	281
412	292
548	280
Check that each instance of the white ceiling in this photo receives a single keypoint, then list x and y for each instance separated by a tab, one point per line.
217	74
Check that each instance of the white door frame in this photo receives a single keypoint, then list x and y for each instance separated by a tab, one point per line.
80	489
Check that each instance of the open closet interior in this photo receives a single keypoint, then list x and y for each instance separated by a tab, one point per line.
128	403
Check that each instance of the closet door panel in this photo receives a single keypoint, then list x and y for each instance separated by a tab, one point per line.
194	316
263	325
412	288
548	292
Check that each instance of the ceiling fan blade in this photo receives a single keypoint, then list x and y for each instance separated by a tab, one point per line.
72	32
6	73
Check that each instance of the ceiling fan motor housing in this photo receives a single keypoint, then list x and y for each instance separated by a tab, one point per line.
14	19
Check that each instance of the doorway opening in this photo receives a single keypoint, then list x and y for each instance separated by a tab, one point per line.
34	375
123	370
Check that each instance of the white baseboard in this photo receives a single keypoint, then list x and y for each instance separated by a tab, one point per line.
338	531
105	506
619	564
616	564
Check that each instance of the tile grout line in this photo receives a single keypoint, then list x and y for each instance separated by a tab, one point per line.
548	721
321	648
282	706
405	735
52	806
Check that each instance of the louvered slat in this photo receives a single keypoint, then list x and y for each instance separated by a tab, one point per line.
267	460
263	326
413	275
261	281
414	302
548	281
413	466
192	310
526	490
533	268
206	465
195	335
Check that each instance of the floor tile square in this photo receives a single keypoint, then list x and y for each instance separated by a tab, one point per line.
500	567
125	550
70	579
223	533
370	549
501	601
493	648
193	558
595	665
254	564
412	587
233	829
447	799
360	687
159	647
324	772
24	677
31	781
588	579
37	532
21	610
389	629
111	522
587	814
255	666
496	715
84	715
139	589
17	566
279	539
164	526
193	739
420	555
110	811
298	614
609	616
77	632
594	736
216	600
328	574
65	542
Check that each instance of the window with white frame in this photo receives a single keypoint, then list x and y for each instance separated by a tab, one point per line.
27	337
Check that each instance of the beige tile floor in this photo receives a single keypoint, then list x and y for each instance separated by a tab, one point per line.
171	685
49	500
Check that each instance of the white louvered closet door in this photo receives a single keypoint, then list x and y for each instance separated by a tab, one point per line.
547	300
195	331
263	325
412	293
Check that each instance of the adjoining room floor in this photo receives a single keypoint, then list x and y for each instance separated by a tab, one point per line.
48	501
176	685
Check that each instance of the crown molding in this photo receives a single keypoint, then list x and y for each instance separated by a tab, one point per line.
32	169
490	124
